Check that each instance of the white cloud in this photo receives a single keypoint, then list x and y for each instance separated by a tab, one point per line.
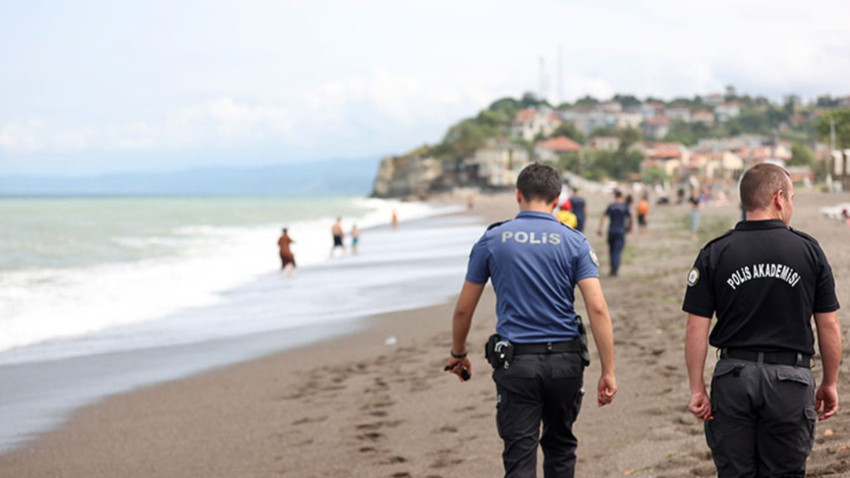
23	137
375	77
240	120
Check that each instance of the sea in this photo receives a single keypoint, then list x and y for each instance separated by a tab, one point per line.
103	295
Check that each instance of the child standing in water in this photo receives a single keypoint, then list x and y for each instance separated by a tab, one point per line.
355	238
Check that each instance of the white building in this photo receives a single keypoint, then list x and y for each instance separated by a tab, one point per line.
499	163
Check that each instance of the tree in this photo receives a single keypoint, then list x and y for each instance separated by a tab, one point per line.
506	105
602	132
628	137
570	162
616	164
569	130
826	101
681	132
681	103
627	101
761	101
530	100
841	117
587	102
463	139
654	175
496	120
802	155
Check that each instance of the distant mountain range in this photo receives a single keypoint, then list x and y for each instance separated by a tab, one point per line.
322	178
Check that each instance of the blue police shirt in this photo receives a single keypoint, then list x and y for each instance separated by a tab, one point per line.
534	262
618	213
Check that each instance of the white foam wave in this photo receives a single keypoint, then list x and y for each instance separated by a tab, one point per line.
49	304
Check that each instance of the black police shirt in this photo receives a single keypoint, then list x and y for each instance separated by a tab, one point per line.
765	281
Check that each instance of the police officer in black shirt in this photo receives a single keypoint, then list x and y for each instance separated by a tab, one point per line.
535	264
764	280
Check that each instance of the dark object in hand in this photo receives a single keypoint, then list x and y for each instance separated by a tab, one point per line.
464	373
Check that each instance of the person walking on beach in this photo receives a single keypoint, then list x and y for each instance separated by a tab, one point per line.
287	258
643	213
619	223
336	231
355	239
578	207
696	204
535	263
764	280
566	216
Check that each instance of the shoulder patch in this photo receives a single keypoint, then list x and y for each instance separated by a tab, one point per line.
693	277
497	224
593	258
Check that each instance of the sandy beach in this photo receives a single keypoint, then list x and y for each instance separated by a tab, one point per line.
363	406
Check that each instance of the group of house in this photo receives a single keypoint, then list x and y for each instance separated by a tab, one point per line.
653	118
499	161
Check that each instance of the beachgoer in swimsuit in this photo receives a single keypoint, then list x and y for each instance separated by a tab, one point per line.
337	233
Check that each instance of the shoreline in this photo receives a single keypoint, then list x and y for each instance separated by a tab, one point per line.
41	387
354	406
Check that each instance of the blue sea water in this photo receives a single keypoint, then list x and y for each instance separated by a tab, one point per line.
102	295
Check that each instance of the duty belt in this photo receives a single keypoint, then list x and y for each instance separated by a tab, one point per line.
778	358
547	348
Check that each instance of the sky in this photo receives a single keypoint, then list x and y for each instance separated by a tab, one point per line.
97	86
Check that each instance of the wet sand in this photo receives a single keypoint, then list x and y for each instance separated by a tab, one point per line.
357	407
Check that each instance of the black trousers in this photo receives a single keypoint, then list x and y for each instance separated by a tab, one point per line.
764	419
535	389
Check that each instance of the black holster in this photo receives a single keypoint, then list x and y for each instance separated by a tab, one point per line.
498	352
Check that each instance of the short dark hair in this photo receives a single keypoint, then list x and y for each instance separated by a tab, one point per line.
760	183
540	182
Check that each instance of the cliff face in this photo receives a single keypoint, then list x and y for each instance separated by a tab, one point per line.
404	176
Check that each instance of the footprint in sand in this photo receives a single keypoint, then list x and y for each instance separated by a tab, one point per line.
309	420
379	425
445	459
379	402
371	436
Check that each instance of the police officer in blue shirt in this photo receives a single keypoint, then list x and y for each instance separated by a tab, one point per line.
620	223
534	263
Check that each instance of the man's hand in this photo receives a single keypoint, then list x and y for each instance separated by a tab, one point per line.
826	398
606	390
700	405
459	367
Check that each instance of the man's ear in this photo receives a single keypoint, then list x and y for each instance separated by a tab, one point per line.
518	196
779	200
